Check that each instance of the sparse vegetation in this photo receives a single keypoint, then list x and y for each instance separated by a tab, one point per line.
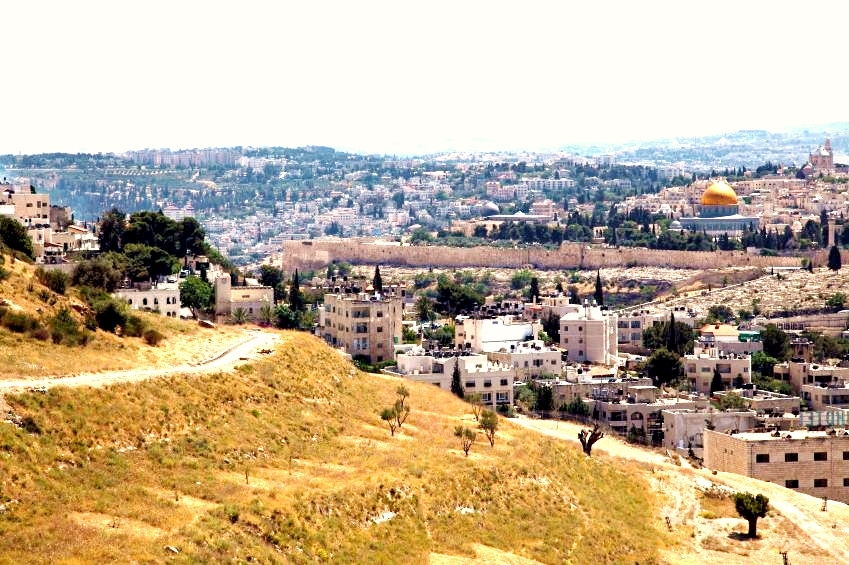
467	438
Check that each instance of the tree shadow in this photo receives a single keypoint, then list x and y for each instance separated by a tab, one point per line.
742	536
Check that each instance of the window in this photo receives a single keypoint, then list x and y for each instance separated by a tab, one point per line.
762	458
379	329
379	313
486	397
846	455
791	457
820	456
487	383
820	483
503	382
144	301
846	481
470	384
791	483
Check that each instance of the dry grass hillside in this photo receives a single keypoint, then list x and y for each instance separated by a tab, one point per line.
287	460
22	355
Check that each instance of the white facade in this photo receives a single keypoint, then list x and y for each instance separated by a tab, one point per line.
588	333
165	300
493	381
493	334
530	359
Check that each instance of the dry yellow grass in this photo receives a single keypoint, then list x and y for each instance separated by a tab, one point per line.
165	463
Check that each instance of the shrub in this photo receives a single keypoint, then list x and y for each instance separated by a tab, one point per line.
19	322
152	337
134	326
53	279
66	329
41	334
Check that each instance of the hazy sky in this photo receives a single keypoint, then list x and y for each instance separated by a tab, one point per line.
410	75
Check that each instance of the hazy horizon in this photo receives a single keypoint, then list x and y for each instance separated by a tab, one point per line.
408	78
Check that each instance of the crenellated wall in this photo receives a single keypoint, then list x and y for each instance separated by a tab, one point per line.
316	254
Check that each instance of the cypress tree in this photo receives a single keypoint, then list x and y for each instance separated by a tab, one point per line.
377	281
599	292
834	260
456	384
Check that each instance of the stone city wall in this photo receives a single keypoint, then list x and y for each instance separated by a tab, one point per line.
316	254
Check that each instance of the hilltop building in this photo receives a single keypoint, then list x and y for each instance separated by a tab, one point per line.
719	213
588	333
822	158
366	325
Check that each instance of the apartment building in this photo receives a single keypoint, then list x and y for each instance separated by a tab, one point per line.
492	380
588	334
530	359
812	462
367	325
699	366
487	335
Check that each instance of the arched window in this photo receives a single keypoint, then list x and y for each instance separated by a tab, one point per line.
144	301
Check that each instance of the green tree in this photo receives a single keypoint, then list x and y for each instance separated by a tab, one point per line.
776	342
551	326
534	290
476	401
716	383
111	229
195	294
377	281
576	407
750	508
285	318
763	363
732	401
456	383
545	398
489	425
834	260
663	366
272	276
467	438
390	415
424	309
836	301
14	235
296	299
521	279
599	290
99	273
421	235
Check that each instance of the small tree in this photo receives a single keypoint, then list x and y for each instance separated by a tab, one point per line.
389	415
751	507
589	437
834	260
401	412
716	383
456	384
377	281
489	424
467	437
477	405
534	291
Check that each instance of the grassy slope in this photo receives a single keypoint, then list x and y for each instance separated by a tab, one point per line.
287	460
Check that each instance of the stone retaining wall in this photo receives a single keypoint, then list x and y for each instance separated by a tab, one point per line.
316	254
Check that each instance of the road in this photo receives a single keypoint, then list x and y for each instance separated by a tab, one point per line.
230	357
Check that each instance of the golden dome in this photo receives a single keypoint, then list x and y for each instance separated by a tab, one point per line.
719	193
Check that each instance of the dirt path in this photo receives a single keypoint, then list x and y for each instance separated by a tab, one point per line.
254	341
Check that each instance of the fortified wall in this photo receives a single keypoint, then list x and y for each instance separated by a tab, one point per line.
316	254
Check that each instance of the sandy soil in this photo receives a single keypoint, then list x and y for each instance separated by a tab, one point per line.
795	524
